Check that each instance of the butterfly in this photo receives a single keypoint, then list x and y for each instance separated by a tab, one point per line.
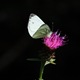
36	27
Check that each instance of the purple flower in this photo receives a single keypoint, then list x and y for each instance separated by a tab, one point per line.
54	40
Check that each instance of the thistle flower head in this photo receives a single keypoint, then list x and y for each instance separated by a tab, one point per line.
54	40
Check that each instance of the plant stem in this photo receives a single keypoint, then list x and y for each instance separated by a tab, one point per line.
41	70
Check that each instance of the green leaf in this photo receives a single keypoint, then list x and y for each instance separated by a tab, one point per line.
33	59
51	61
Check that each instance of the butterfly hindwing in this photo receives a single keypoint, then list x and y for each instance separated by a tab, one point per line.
42	32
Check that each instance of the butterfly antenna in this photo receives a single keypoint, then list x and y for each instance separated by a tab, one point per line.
52	26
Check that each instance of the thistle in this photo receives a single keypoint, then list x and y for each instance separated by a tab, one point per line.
54	40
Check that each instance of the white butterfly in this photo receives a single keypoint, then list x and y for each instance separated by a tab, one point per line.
37	28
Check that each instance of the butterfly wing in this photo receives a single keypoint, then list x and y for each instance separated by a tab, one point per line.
36	27
42	31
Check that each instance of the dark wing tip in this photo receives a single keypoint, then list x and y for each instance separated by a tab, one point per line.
32	15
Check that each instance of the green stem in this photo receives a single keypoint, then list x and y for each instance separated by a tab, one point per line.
41	70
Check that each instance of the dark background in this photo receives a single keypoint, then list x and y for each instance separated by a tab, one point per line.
16	45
